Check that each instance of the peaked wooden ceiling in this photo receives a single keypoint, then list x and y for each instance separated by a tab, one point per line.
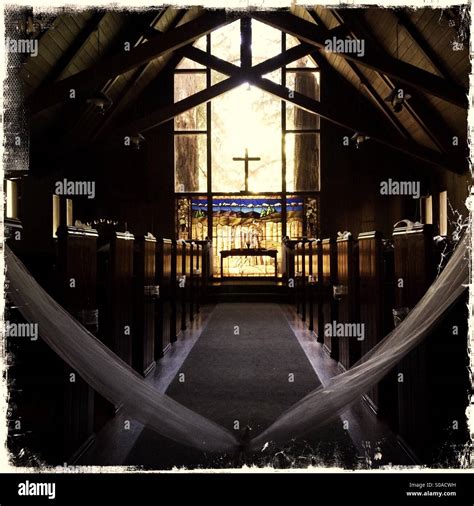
425	51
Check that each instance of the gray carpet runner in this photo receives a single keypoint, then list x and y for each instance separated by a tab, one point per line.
246	368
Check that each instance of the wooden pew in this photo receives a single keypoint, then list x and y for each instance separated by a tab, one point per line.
190	280
435	373
347	285
415	268
146	294
376	303
329	303
198	280
307	271
116	291
203	263
115	295
316	321
179	290
289	267
308	296
165	320
55	406
299	278
77	262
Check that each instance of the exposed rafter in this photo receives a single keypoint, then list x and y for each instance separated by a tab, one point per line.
422	44
397	69
379	101
429	121
73	49
90	79
148	33
254	75
238	76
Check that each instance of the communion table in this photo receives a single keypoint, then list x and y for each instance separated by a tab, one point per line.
244	252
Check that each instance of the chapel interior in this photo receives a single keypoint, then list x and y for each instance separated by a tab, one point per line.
214	194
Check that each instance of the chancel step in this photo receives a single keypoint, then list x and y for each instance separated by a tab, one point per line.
248	291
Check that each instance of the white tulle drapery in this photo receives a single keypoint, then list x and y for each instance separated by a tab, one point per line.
119	384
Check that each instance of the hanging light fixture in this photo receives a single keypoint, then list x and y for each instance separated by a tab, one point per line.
397	99
100	101
137	140
359	139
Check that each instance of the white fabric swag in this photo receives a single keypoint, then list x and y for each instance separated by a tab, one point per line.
106	373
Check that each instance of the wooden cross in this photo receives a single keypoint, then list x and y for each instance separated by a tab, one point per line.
246	159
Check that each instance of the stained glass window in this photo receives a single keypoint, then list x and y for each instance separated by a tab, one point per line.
240	222
199	220
183	215
311	209
294	217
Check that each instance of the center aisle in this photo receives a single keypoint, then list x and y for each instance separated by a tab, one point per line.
246	369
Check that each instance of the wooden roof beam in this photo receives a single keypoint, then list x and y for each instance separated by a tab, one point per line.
90	79
148	33
379	101
238	76
70	53
315	107
429	120
253	76
422	44
397	69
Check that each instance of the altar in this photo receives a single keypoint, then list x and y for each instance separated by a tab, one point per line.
253	252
